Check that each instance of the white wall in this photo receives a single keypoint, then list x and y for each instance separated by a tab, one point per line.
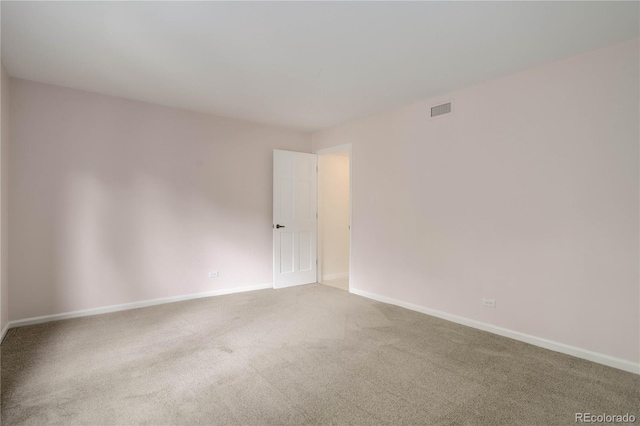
334	214
527	194
115	201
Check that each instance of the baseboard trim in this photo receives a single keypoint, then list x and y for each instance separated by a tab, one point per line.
4	332
334	276
596	357
133	305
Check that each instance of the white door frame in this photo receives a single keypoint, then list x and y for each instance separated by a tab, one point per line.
345	147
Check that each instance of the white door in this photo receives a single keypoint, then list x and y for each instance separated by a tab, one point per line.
295	177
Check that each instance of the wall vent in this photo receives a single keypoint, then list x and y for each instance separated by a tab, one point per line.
440	109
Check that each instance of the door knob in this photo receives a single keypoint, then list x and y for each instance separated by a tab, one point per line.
279	226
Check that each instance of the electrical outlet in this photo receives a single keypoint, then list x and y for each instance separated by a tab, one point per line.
490	303
213	274
373	199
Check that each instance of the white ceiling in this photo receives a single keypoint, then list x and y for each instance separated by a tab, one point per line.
302	65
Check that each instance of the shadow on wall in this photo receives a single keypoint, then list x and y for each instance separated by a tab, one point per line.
115	201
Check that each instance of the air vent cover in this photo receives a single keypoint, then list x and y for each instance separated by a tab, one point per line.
441	109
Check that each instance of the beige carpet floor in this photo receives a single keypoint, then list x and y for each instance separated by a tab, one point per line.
342	284
304	355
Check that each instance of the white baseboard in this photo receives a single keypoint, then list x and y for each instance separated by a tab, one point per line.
134	305
4	332
329	277
599	358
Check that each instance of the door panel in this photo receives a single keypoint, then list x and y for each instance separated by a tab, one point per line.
295	211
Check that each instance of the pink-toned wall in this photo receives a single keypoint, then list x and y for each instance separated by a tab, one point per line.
528	194
115	201
4	200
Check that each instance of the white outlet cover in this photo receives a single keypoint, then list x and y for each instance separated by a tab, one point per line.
213	274
490	303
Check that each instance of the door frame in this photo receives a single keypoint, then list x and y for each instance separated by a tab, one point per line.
319	152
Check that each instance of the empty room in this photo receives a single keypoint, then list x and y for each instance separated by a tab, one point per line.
287	213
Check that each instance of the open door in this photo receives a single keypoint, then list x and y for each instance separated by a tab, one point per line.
295	177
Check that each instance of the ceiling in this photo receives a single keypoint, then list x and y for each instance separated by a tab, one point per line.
302	65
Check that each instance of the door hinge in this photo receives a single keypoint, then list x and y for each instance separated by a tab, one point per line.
316	169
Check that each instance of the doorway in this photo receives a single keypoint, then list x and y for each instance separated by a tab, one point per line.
334	216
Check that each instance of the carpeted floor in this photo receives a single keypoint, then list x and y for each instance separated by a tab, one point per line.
342	284
303	355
